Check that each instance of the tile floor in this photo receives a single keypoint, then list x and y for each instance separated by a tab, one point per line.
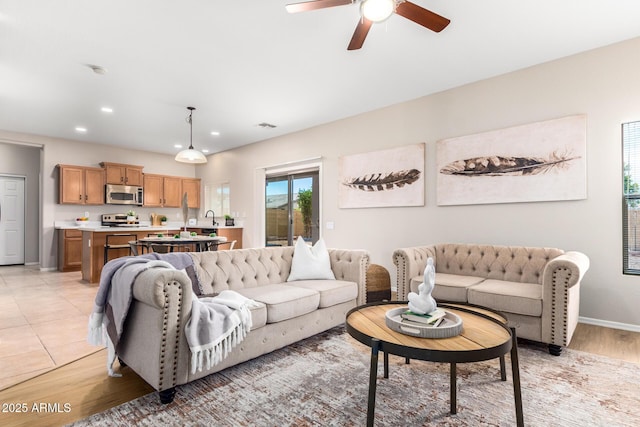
43	321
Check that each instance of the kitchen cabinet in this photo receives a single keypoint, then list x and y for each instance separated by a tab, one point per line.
162	191
232	234
69	250
191	186
81	185
118	173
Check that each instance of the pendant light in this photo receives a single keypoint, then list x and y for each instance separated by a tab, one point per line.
191	155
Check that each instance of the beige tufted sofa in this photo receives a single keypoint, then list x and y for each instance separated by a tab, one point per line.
154	345
537	289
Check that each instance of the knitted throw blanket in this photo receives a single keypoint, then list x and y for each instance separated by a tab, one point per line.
216	326
114	296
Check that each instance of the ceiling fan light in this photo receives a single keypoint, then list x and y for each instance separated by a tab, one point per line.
377	10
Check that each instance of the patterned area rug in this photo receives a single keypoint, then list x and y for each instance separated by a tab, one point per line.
323	381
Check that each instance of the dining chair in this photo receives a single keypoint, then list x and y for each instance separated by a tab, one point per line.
161	248
138	247
217	245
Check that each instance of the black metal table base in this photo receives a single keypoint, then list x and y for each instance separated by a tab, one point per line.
515	369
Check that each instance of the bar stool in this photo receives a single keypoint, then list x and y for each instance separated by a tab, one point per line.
123	243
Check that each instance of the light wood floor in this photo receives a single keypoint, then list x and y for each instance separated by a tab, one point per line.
82	388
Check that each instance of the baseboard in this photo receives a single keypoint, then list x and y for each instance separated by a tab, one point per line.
48	268
609	324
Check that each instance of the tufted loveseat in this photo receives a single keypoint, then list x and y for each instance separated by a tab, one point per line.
537	289
153	343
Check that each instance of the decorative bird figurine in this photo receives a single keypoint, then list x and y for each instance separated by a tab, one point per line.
423	302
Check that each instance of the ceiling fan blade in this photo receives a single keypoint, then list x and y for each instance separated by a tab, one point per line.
360	34
316	4
422	16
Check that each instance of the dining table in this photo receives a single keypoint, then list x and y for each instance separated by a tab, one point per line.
199	243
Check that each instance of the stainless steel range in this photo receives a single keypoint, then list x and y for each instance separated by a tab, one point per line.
118	220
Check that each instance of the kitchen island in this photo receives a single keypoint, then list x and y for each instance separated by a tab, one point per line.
81	247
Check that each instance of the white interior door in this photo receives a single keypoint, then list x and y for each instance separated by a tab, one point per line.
11	220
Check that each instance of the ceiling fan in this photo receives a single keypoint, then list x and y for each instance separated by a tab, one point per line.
377	11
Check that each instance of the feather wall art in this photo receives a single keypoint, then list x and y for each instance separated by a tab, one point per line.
392	177
542	161
502	166
384	181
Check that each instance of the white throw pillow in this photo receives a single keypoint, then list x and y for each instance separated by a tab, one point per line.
310	263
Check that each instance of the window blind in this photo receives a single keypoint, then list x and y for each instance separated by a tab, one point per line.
631	197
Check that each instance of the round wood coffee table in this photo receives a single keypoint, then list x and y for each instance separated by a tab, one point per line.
485	335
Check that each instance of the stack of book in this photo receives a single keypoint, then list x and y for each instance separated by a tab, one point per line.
432	319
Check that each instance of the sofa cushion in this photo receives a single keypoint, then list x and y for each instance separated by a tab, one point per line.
511	297
310	263
449	287
331	292
283	301
258	315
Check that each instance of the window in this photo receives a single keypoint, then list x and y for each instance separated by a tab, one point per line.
216	198
631	198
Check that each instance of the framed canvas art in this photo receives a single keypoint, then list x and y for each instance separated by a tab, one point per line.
541	161
393	177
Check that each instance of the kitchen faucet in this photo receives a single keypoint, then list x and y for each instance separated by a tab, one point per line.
213	215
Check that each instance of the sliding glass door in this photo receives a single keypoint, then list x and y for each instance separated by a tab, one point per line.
292	208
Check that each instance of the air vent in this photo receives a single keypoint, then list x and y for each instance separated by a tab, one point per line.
266	125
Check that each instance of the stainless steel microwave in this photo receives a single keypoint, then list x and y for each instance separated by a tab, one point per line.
123	195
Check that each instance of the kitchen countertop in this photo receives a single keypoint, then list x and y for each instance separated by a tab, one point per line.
97	226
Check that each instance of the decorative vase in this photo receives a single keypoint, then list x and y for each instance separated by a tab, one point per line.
131	219
185	234
163	223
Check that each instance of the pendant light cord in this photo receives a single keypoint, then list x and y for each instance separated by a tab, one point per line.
190	120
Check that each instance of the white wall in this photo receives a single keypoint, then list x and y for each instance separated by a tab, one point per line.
603	84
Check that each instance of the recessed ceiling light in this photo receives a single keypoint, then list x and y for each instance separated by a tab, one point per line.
106	110
177	145
81	129
215	133
205	150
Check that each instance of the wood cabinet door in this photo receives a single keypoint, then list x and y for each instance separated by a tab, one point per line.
153	190
231	234
192	188
93	186
71	185
72	250
115	174
172	192
133	176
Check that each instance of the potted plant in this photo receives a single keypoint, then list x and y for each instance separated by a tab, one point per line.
163	220
228	221
131	216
